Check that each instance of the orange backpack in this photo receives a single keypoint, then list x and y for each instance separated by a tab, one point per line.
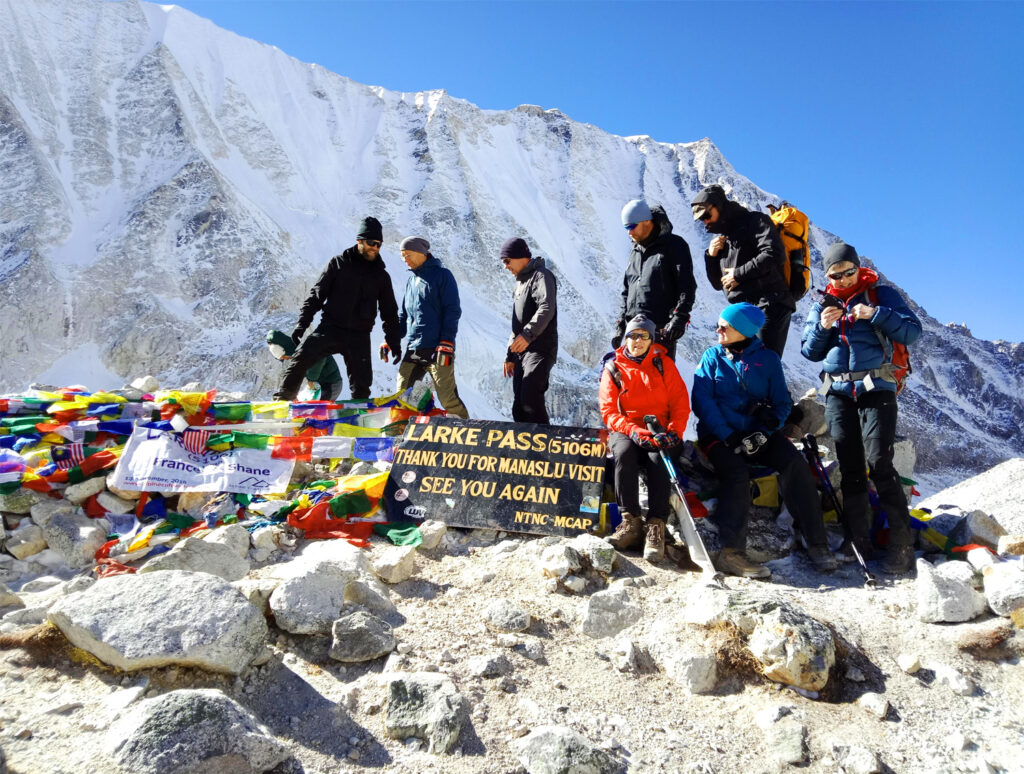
897	356
793	227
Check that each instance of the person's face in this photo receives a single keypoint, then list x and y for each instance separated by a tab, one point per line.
515	265
843	274
711	215
727	334
641	230
638	342
413	259
368	248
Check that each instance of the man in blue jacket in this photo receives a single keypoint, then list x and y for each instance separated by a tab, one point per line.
429	321
850	332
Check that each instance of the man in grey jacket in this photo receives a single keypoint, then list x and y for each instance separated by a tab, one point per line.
533	345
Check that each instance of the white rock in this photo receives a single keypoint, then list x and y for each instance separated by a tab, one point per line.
598	553
44	510
266	537
395	564
432	531
560	750
195	554
234	536
11	568
692	666
8	598
557	561
146	384
124	494
875	703
424	705
114	504
706	606
503	615
854	759
792	647
257	591
950	677
161	619
608	612
1010	545
575	583
980	558
909	663
79	493
1004	586
20	501
946	592
49	560
26	540
769	716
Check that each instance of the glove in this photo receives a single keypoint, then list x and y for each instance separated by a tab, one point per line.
620	331
766	417
675	328
667	440
644	439
386	349
616	342
751	444
444	355
297	335
734	441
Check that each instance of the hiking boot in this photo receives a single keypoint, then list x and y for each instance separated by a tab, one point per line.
845	553
734	562
654	544
821	558
628	533
899	560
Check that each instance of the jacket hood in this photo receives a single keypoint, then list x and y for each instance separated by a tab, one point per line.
283	340
660	218
535	263
729	214
430	263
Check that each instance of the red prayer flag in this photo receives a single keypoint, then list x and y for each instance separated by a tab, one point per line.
299	447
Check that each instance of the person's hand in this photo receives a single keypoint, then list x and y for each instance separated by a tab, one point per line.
395	345
728	280
509	368
734	441
616	341
519	344
667	440
829	315
862	312
444	355
716	246
751	444
384	352
643	438
297	335
675	328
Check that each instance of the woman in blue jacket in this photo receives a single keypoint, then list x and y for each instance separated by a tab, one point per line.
850	331
741	400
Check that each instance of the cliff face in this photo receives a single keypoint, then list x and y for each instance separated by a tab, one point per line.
170	191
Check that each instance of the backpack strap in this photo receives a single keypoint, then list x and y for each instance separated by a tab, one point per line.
872	294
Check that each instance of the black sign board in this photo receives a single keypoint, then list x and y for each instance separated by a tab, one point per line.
508	476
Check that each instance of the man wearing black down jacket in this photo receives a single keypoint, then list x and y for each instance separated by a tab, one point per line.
659	280
348	294
746	260
533	345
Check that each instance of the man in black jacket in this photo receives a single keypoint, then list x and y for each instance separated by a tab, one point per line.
659	281
348	294
746	261
533	345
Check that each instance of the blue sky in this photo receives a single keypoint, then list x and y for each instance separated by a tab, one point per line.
895	125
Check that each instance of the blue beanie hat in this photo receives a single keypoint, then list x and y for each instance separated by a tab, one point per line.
746	318
636	211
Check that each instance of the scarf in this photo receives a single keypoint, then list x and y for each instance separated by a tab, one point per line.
865	279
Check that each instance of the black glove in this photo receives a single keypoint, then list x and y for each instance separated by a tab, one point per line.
766	417
297	335
734	441
675	328
751	444
620	331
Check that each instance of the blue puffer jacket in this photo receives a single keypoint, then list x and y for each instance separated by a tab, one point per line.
847	347
430	308
727	386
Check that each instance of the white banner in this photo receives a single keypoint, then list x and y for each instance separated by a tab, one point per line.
157	461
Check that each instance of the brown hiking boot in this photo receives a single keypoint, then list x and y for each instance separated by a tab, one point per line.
899	560
654	544
734	562
629	532
822	558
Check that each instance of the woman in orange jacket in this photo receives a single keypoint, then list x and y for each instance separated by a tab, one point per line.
642	380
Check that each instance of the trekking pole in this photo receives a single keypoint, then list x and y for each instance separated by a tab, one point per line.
811	453
698	551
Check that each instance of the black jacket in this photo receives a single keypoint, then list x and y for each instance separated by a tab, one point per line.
659	277
535	308
349	293
754	249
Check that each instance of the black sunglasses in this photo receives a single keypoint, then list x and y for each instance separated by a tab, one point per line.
372	242
842	274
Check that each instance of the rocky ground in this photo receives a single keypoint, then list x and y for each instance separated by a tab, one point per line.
652	668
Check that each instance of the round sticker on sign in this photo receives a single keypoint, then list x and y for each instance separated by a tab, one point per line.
401	495
408	477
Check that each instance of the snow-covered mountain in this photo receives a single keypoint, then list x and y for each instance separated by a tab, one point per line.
169	191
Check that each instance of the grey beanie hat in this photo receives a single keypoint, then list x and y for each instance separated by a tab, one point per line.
641	322
416	244
636	211
839	252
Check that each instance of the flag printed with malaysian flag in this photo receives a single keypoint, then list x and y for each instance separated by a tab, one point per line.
195	440
68	456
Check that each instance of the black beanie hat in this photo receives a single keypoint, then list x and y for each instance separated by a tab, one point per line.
370	228
839	252
515	247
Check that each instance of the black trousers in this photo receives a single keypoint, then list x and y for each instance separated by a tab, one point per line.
799	491
864	430
530	372
775	330
352	345
629	460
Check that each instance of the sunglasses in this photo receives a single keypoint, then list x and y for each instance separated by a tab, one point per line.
631	226
506	261
372	242
639	336
842	274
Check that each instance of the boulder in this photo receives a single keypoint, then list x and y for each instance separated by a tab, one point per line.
432	531
693	666
489	666
160	619
193	503
257	591
234	536
8	598
26	540
787	742
608	612
44	510
980	558
76	538
425	705
1010	545
791	647
1004	586
598	553
559	560
82	491
854	759
111	503
560	750
146	384
361	636
395	564
20	501
183	732
196	554
946	592
504	615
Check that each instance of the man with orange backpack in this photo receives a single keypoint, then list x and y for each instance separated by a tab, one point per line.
854	331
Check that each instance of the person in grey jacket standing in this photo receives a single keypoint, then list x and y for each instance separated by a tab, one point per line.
533	345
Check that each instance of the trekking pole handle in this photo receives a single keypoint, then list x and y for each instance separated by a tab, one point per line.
653	424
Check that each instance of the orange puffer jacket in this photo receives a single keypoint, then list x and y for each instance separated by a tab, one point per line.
644	391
